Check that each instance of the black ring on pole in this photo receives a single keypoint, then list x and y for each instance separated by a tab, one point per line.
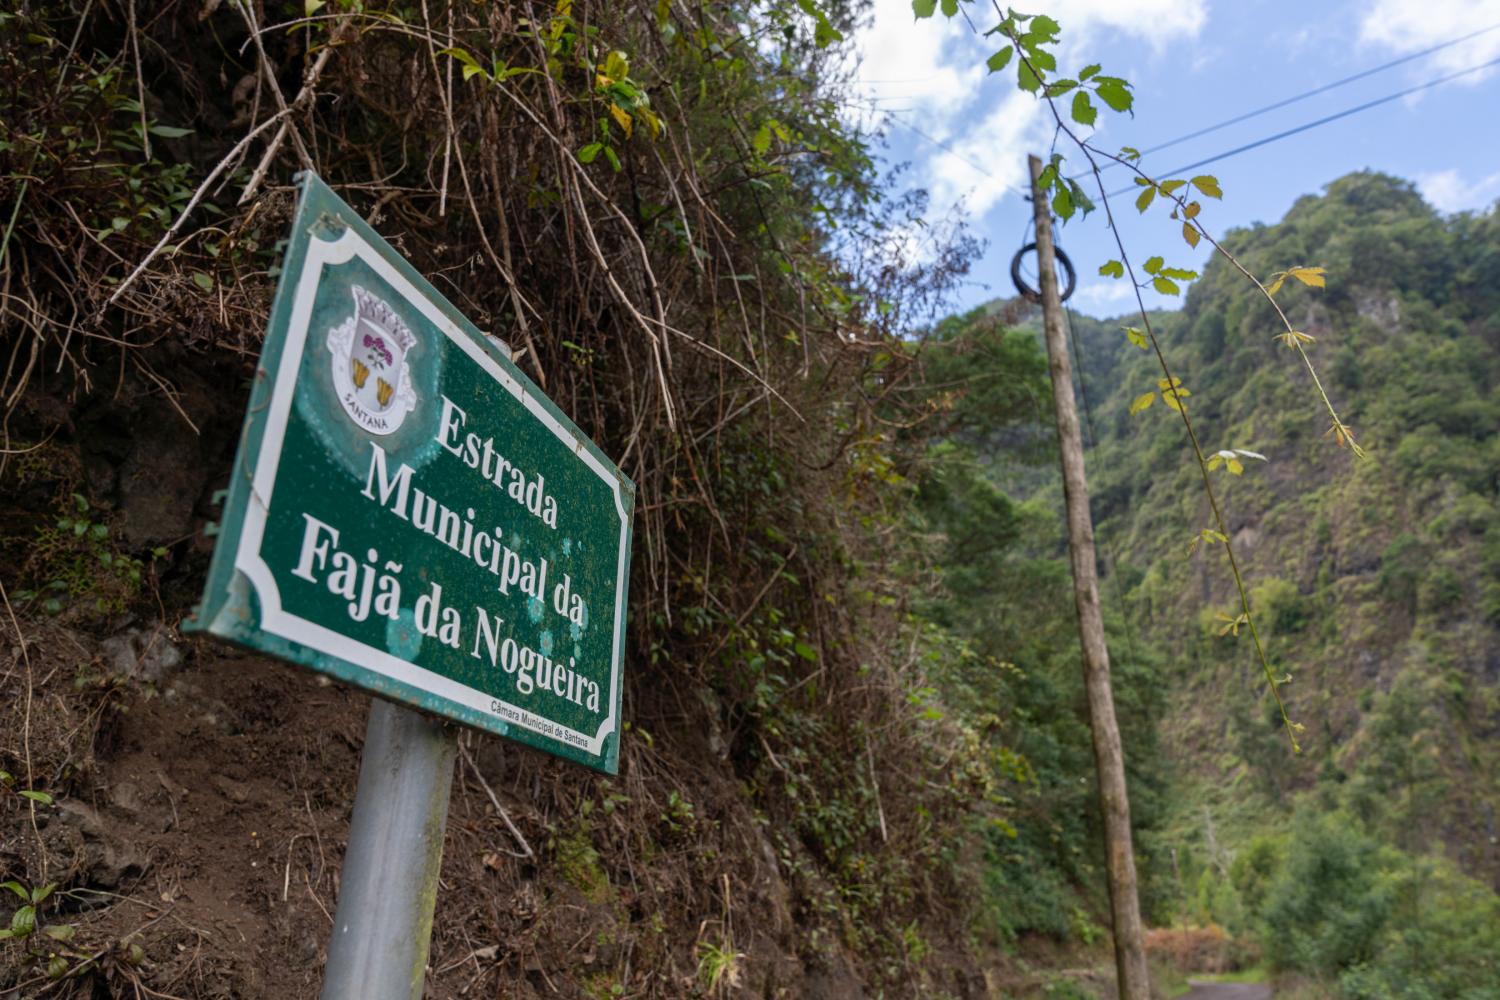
1031	294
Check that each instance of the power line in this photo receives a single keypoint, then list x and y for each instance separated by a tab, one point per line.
1314	92
1318	122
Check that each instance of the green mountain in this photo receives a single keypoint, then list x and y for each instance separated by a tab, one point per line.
1377	579
1375	583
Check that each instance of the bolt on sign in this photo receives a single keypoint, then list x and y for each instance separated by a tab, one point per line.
410	514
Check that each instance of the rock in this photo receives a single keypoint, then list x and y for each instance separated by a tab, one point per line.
126	795
106	862
161	478
233	790
834	979
147	655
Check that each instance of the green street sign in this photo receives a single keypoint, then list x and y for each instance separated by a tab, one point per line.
410	514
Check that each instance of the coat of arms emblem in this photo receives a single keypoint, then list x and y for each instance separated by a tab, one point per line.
370	371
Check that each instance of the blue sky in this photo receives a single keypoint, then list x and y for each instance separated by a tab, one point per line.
1193	63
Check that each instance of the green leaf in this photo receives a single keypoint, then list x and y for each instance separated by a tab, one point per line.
1083	109
57	967
41	797
1144	201
169	131
1209	185
310	7
1114	92
616	65
1152	265
825	34
60	932
1112	269
23	922
1167	187
18	889
1026	77
1062	203
39	895
1179	273
1142	402
1165	285
805	651
923	8
1136	337
203	281
1080	199
762	141
1088	71
1044	28
614	161
590	152
950	8
1047	179
1000	59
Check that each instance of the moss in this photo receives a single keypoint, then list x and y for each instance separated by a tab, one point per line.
579	865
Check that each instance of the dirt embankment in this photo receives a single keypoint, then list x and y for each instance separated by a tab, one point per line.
201	796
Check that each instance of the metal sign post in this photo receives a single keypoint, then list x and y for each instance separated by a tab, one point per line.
388	886
408	513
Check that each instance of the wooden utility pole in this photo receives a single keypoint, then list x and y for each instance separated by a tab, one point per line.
1109	760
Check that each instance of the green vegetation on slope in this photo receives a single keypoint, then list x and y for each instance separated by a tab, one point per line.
1368	861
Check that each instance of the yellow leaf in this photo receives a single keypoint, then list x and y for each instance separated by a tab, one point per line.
1192	210
1275	286
620	115
1235	467
1143	401
1190	234
1312	276
1169	397
1294	337
652	122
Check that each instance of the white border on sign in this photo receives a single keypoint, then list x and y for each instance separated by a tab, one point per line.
280	622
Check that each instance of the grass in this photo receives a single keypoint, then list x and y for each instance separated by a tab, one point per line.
1171	983
1256	974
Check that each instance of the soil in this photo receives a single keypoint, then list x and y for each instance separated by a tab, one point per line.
201	795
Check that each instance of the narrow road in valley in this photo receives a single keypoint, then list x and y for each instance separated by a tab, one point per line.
1227	991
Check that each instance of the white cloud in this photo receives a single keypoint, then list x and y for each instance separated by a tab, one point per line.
971	133
929	69
1103	298
997	142
1157	22
1408	26
1448	191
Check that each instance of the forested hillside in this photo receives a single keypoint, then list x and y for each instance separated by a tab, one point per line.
1374	580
